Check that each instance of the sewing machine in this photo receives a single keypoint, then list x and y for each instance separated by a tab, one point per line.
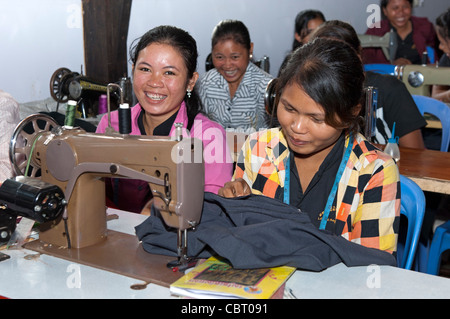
387	43
419	78
77	162
68	85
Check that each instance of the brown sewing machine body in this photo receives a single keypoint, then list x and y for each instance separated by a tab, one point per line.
78	161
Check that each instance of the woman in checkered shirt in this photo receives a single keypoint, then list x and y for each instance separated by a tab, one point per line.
317	160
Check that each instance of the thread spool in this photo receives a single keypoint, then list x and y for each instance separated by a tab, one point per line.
69	121
124	119
102	104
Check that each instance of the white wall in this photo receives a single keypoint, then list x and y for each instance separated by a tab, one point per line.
39	36
36	38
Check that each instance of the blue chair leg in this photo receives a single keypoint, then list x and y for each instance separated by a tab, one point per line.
439	244
421	260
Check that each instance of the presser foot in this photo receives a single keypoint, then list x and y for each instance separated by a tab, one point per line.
182	263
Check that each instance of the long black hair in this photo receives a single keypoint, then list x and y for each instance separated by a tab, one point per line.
443	24
186	45
231	30
331	73
301	24
384	3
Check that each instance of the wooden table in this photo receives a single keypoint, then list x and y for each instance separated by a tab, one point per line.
428	168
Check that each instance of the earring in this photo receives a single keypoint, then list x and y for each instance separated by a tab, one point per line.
188	93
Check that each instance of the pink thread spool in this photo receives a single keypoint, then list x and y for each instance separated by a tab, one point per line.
102	104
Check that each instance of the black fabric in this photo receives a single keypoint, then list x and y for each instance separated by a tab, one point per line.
256	232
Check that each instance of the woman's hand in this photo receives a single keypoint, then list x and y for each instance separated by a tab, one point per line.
235	188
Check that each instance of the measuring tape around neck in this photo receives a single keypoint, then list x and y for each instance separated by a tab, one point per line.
332	194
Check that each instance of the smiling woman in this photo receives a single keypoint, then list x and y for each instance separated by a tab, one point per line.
414	34
160	82
233	92
164	78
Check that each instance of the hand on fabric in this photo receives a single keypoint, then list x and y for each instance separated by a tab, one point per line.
235	188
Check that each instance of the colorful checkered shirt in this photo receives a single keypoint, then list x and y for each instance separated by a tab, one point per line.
368	196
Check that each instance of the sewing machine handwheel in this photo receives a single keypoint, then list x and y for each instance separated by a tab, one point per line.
22	140
56	85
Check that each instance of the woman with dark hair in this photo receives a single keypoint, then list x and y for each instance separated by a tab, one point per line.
233	92
306	22
442	92
414	34
395	103
164	76
317	160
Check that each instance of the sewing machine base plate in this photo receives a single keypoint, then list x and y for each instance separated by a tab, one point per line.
120	253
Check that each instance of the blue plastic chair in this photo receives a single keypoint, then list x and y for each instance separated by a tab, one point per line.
413	208
380	68
439	244
441	111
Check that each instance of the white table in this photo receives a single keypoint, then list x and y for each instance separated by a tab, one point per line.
51	277
371	282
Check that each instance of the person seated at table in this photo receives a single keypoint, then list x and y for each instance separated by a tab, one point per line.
317	160
395	103
10	117
442	92
164	77
233	91
414	34
306	22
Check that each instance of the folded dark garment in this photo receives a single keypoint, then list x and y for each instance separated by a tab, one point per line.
256	232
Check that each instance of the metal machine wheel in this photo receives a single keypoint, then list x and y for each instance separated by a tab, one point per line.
22	142
57	82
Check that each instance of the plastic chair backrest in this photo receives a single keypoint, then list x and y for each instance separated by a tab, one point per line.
380	68
413	208
441	111
439	244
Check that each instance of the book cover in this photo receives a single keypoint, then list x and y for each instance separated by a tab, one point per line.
216	278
